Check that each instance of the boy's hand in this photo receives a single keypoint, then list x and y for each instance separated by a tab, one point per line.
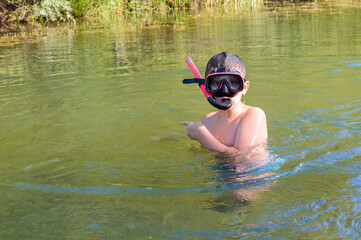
193	129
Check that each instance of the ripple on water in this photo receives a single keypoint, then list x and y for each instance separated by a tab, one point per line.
321	157
230	179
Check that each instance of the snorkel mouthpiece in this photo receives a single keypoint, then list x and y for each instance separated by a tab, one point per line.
221	106
198	79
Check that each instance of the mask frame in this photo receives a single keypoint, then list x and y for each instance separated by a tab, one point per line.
240	79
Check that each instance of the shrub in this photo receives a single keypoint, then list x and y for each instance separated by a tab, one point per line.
53	10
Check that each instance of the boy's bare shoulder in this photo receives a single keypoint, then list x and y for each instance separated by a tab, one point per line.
255	112
254	115
209	116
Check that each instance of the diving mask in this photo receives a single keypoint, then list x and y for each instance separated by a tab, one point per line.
217	84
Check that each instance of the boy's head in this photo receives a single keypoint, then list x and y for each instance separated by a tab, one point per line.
225	76
225	62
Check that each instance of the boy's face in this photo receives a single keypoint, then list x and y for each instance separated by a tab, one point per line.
224	85
225	96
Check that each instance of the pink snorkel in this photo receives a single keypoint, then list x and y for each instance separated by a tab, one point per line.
210	98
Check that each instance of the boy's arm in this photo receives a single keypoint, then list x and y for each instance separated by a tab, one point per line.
197	131
253	129
251	132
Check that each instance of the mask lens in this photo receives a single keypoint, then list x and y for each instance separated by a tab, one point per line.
214	82
235	83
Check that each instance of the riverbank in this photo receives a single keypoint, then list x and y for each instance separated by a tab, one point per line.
20	15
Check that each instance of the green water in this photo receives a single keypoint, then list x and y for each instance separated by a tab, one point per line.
91	147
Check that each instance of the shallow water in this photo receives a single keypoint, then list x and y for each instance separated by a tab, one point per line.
91	147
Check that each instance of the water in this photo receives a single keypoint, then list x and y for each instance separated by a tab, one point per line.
91	145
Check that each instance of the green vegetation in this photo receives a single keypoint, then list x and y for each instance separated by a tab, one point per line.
42	11
31	11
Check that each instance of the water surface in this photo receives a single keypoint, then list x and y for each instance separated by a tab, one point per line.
91	147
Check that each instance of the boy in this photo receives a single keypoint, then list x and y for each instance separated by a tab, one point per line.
238	127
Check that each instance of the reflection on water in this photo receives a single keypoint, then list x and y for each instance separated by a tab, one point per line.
241	179
91	147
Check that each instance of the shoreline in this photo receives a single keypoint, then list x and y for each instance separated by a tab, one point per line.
10	23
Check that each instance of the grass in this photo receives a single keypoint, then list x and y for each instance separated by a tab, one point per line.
14	14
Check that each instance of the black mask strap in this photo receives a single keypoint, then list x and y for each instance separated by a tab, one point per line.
194	80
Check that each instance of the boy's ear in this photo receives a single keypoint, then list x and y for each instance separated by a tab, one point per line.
246	86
